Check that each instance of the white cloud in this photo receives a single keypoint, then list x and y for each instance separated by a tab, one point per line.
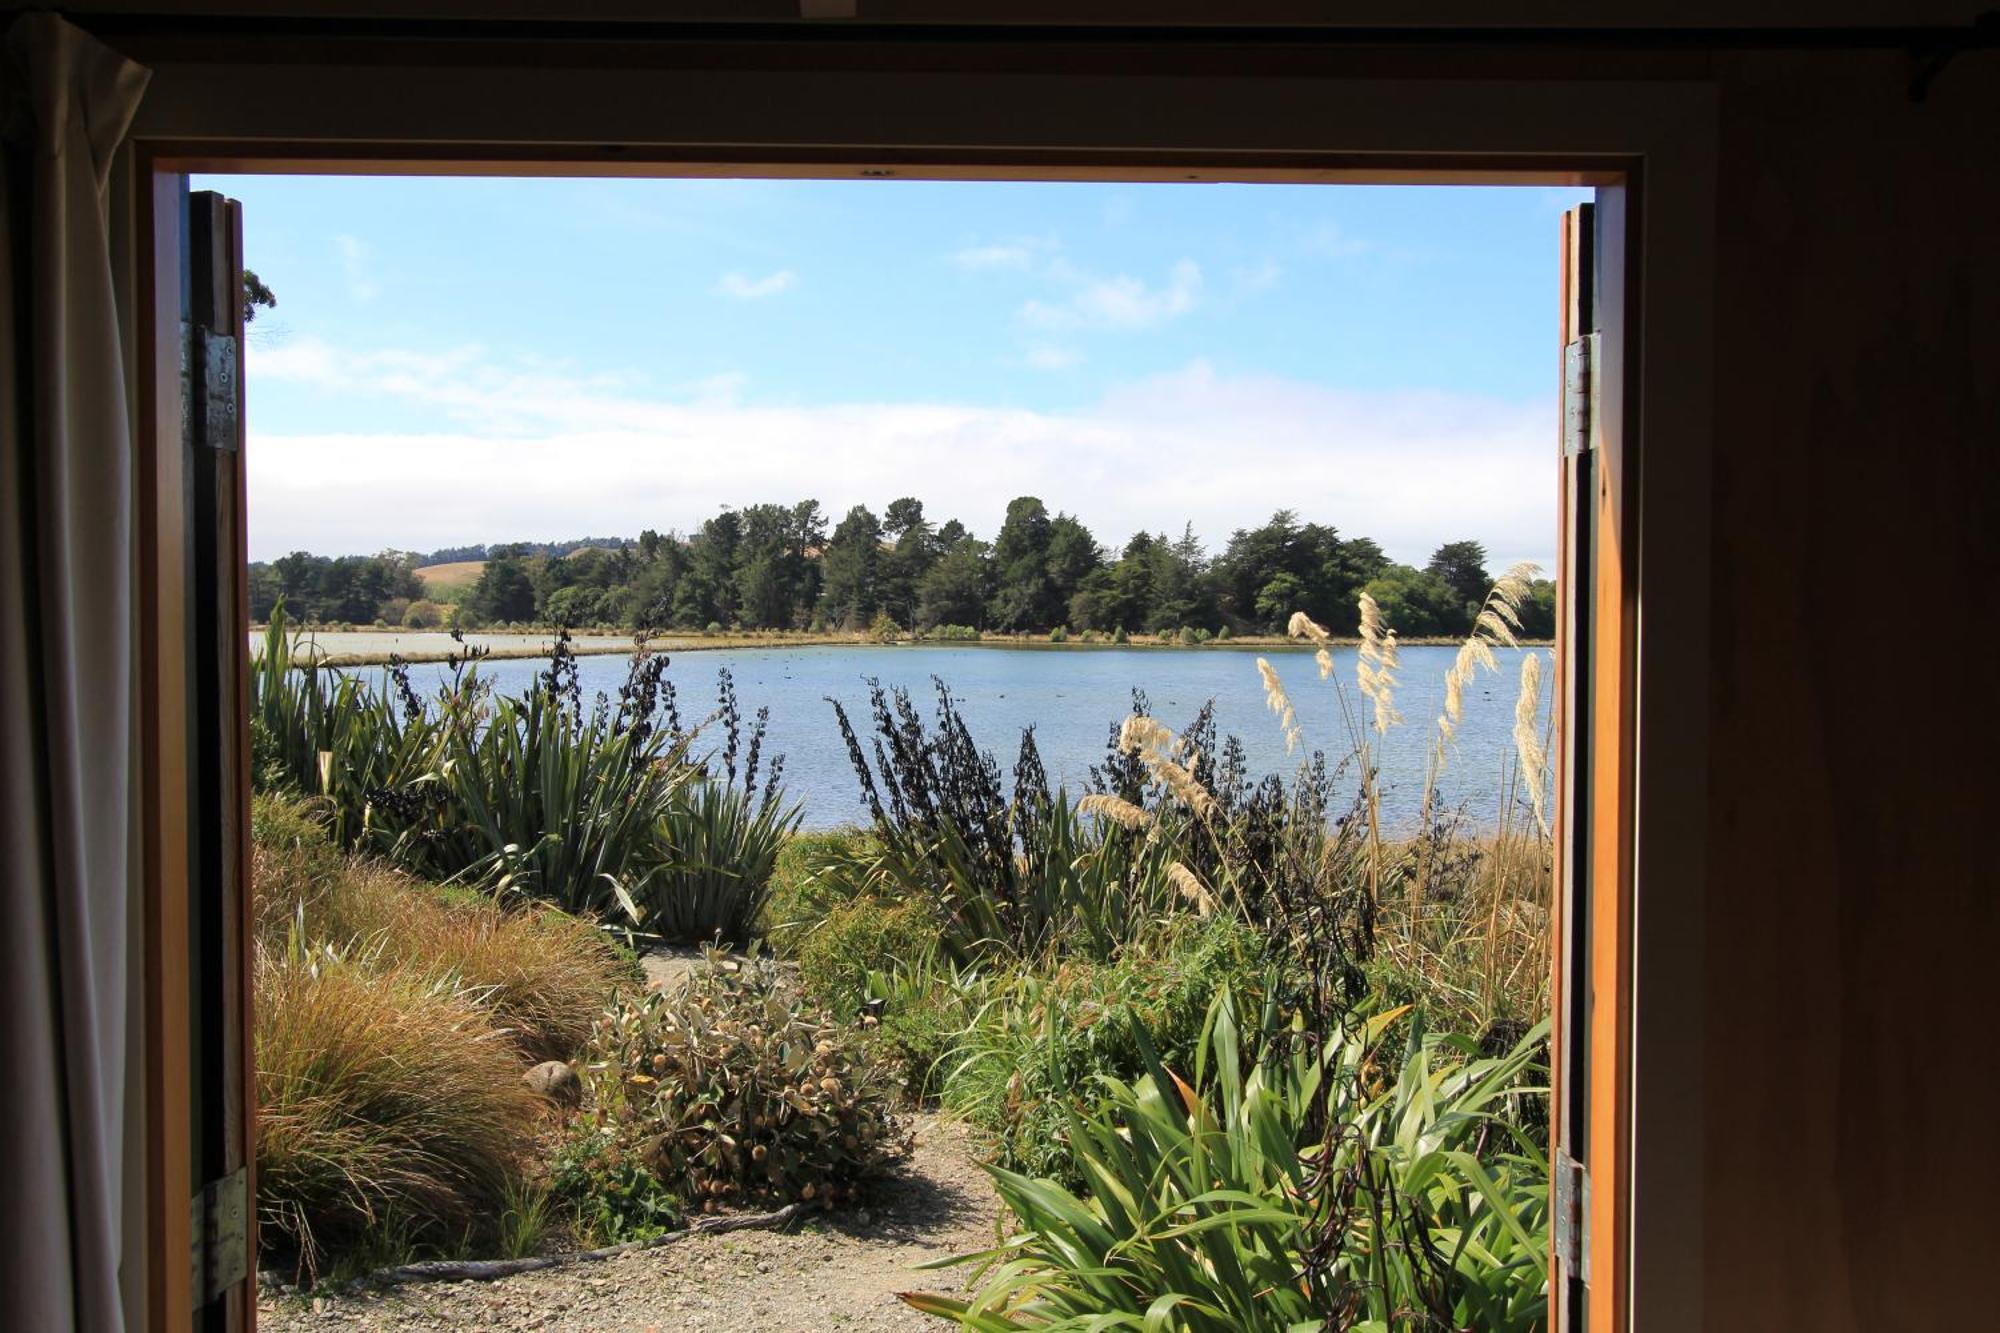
546	455
755	289
1016	256
1256	278
1327	239
1048	356
1121	302
354	255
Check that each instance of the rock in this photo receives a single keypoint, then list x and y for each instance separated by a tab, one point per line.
555	1081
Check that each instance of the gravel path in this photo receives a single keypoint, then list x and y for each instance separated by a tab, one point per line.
840	1272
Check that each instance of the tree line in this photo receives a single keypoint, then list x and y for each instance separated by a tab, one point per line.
774	566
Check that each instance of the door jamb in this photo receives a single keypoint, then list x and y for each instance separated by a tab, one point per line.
165	699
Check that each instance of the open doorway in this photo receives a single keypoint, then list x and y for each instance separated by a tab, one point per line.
1398	878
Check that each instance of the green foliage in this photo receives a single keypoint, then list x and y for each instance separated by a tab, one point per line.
1035	1051
952	633
1059	635
808	881
525	793
1220	1205
774	566
925	1005
610	1195
723	848
325	590
733	1090
857	938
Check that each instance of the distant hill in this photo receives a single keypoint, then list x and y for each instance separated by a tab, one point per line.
450	574
458	555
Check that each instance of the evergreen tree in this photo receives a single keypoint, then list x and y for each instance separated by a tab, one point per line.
851	570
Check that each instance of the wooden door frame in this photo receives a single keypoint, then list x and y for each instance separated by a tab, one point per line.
1649	147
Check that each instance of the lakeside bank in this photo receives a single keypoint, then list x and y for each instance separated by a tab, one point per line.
366	648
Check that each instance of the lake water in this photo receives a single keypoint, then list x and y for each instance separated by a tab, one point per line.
1071	697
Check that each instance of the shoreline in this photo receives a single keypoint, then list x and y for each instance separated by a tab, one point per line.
605	645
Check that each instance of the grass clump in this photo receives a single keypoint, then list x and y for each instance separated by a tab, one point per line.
388	1104
394	1020
732	1090
542	974
1036	1051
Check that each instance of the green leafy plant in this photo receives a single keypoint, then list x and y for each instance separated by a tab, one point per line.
610	1194
1283	1188
1042	1040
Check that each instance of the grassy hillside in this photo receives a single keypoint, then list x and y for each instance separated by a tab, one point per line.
456	575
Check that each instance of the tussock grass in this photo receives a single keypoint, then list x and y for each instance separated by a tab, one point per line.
543	975
388	1103
394	1021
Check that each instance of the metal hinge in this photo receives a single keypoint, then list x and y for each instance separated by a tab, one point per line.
216	364
1571	1186
220	1235
1579	395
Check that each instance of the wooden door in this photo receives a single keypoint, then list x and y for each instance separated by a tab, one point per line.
222	1075
1596	617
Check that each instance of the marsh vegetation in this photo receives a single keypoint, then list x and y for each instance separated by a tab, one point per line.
1246	1046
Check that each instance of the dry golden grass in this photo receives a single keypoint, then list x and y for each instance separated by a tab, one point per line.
390	1111
1114	808
454	574
545	976
1478	954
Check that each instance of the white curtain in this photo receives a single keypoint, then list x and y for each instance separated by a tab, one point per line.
67	679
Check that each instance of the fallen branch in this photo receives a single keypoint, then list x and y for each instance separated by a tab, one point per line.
486	1270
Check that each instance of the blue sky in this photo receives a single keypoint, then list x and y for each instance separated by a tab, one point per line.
461	360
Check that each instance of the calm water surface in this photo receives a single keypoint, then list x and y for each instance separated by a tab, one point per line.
1072	697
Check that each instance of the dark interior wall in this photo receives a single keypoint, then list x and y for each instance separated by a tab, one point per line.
1849	1170
1851	1174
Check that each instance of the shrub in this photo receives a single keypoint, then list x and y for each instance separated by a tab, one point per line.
809	880
1008	875
1185	638
388	1104
423	614
611	1195
922	1007
530	793
884	629
731	1090
1037	1051
1222	633
714	627
1059	634
1120	636
952	633
724	846
721	839
857	938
